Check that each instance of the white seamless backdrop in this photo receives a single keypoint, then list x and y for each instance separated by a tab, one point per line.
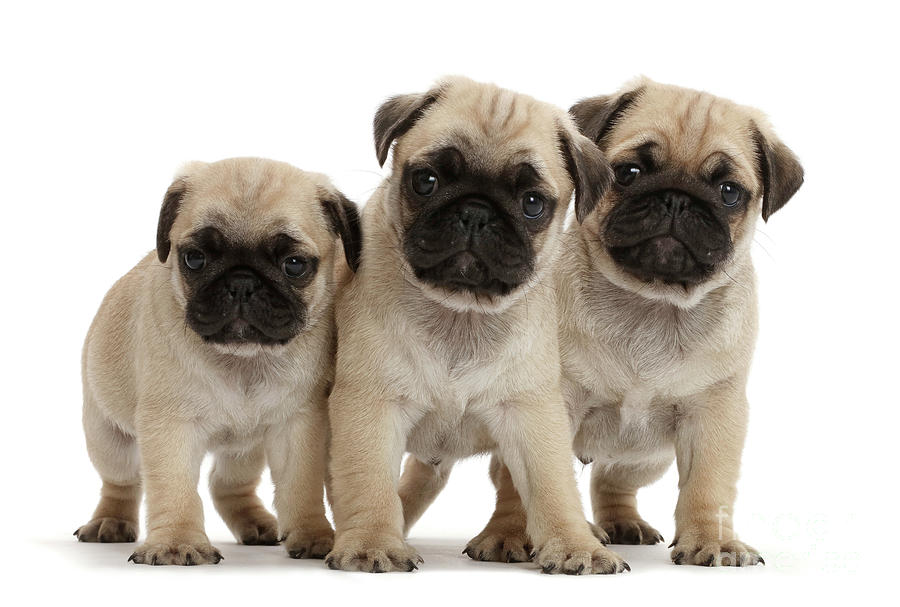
101	102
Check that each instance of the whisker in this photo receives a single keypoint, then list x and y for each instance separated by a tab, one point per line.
734	281
763	233
763	248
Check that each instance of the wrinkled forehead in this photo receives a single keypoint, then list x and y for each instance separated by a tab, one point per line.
492	129
249	211
695	131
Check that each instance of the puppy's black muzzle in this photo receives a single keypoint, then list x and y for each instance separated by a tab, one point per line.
240	307
468	245
669	235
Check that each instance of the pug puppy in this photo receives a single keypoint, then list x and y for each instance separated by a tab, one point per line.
658	313
221	340
446	342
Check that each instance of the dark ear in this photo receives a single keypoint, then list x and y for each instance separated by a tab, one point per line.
588	168
343	218
596	116
170	206
396	116
780	170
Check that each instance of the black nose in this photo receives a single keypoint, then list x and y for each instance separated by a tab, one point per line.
675	201
241	283
474	216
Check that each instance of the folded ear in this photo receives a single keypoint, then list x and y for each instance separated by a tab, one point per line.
596	116
396	116
780	170
343	218
590	172
167	214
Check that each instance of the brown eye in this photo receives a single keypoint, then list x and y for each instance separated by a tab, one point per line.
424	182
194	259
731	193
627	173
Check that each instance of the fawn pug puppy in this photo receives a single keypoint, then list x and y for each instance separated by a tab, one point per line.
221	340
446	334
659	310
658	314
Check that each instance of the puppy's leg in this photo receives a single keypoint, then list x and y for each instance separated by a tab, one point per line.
232	483
504	538
297	454
171	454
709	439
367	441
419	486
614	499
534	441
115	456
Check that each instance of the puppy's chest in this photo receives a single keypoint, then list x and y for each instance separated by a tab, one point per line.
461	344
654	352
455	375
240	410
622	388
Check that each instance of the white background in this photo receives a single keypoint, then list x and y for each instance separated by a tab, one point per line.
101	103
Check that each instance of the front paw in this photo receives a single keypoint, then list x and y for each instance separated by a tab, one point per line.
505	542
373	553
193	549
107	530
694	547
308	543
578	557
631	531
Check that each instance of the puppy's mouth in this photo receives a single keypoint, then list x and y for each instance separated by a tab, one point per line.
241	331
466	272
664	258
